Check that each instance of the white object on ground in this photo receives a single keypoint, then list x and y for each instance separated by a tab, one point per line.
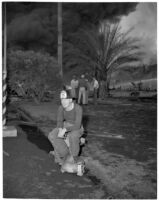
9	131
80	169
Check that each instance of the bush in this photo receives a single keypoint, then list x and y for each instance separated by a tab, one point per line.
32	74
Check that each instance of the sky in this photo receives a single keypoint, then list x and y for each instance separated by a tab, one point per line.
144	20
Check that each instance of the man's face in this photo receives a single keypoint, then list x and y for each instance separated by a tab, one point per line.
66	102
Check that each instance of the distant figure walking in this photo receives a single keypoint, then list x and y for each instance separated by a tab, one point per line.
74	87
82	90
95	90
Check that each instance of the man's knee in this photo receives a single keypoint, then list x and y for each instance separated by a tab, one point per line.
75	135
53	134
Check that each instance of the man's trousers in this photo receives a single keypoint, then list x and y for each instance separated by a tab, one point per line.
82	94
60	146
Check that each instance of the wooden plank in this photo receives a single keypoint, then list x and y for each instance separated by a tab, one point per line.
112	136
9	131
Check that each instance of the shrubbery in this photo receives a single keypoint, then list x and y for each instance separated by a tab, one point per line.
32	74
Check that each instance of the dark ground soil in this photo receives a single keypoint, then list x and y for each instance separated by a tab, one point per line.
131	161
125	167
30	172
136	122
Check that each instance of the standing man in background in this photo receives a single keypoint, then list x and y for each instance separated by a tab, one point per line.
95	89
87	89
74	86
82	90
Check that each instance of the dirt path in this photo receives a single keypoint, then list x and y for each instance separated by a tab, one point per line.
30	172
136	123
126	166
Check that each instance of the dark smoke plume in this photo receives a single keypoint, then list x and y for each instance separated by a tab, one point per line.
34	25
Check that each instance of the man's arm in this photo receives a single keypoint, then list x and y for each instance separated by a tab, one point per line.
78	119
60	117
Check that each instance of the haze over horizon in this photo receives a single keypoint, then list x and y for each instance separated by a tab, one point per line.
144	21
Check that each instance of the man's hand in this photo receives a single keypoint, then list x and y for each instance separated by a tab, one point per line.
61	133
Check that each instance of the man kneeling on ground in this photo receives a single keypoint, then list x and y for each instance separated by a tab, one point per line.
66	137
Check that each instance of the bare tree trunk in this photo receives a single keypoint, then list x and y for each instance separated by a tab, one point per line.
107	88
107	83
60	40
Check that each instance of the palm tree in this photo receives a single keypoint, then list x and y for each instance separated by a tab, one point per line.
105	48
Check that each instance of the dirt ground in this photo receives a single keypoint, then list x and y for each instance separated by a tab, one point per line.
127	166
121	149
30	172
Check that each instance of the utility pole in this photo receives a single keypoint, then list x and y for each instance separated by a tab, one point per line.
60	40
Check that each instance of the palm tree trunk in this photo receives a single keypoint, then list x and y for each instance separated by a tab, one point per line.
107	83
107	88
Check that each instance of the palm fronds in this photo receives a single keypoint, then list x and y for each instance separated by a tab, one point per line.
106	48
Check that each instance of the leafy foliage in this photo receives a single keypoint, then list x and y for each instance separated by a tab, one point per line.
31	74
